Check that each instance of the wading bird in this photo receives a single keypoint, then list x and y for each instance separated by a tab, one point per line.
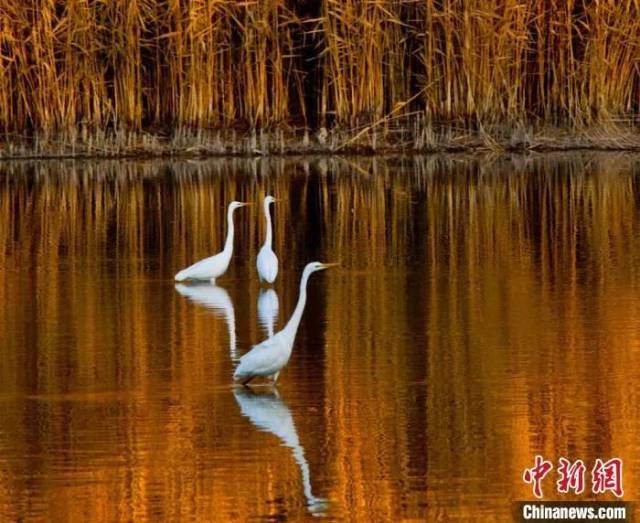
214	266
267	261
270	356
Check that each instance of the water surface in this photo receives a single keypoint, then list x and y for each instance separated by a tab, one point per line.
485	310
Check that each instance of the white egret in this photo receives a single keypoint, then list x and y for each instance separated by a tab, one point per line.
267	261
270	413
214	266
216	299
268	305
270	356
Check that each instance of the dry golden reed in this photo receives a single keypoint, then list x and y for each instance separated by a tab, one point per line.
86	66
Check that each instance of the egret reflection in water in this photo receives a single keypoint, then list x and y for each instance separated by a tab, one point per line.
217	300
268	306
269	413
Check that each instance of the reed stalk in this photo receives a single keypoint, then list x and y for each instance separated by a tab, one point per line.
77	68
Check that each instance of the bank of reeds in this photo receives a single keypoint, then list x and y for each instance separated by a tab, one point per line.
220	76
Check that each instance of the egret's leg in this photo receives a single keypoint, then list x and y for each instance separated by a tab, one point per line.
213	281
275	376
245	382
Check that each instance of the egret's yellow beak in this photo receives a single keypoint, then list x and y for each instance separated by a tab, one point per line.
327	265
244	204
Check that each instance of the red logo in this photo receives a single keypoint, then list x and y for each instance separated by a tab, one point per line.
571	476
606	476
536	474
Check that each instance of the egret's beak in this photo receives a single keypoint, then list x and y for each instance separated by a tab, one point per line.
244	204
328	265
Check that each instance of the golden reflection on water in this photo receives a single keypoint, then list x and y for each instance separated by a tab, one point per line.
485	310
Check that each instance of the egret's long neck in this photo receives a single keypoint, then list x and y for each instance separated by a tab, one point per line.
267	216
292	326
228	244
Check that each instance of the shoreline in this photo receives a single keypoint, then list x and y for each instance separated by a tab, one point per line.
367	141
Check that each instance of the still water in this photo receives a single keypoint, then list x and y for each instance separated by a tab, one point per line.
486	310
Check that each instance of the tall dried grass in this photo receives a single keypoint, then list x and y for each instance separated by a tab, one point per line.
83	66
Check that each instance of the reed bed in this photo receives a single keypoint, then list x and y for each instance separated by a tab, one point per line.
274	76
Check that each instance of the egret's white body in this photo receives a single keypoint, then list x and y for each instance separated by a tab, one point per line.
268	305
214	266
267	261
270	414
216	299
270	356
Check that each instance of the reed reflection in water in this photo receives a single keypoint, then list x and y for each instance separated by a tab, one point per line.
485	310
